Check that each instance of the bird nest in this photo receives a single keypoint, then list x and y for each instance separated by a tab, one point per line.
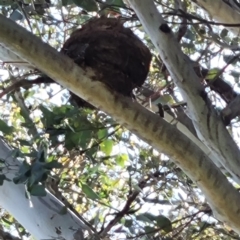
119	58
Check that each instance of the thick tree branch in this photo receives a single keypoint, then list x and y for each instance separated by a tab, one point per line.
148	126
43	212
221	12
232	110
208	124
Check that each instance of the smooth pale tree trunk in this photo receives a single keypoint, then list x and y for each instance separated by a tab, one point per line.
9	57
209	127
41	216
181	127
222	13
148	126
208	124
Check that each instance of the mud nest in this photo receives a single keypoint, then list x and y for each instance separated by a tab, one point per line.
119	58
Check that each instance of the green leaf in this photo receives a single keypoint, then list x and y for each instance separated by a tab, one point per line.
25	149
64	111
41	156
102	133
37	190
28	94
6	222
5	128
38	174
227	58
150	230
164	99
16	15
37	166
66	2
20	179
118	3
87	5
52	164
25	143
128	223
48	117
6	2
24	168
121	159
164	223
106	146
146	217
78	139
212	74
204	225
89	192
224	33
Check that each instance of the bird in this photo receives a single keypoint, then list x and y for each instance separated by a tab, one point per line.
119	58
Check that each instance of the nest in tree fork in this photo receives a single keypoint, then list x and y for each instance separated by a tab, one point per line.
118	56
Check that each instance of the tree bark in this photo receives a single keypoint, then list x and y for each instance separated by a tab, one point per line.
221	12
148	126
41	216
209	126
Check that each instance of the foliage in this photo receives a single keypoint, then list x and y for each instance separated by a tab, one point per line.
103	170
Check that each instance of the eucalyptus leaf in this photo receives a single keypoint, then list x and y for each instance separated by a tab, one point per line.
87	5
89	192
5	128
38	191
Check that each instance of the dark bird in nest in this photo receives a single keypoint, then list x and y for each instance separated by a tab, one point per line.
119	58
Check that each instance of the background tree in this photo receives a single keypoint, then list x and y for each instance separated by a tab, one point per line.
112	178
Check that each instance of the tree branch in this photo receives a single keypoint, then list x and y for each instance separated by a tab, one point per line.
148	126
208	124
